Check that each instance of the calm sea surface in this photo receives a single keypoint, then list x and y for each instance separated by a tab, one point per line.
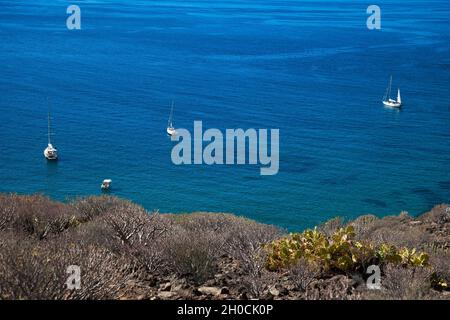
310	68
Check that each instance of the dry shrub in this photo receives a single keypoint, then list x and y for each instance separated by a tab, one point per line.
438	214
193	255
97	233
139	234
35	215
441	264
115	242
363	225
133	225
302	274
401	237
26	273
244	242
399	283
331	226
30	270
199	240
256	278
89	208
8	207
395	230
338	287
258	286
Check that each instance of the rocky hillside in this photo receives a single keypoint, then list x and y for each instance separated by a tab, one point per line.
125	252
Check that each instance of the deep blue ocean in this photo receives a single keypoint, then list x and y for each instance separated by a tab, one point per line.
310	68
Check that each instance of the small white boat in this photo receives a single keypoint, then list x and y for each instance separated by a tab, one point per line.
388	102
106	184
170	129
50	152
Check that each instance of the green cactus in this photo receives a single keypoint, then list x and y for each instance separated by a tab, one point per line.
339	252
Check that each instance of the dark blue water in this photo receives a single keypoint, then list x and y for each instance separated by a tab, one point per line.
310	68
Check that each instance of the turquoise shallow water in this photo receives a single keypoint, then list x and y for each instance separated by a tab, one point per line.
310	68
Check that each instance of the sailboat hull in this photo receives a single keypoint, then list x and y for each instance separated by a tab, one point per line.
51	153
50	156
392	104
170	131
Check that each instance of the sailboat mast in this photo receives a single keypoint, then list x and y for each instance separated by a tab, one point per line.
48	127
171	116
390	87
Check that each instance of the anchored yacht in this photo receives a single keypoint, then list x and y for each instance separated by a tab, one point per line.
50	152
388	101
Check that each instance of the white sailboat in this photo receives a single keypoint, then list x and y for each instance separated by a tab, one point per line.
50	152
170	129
387	101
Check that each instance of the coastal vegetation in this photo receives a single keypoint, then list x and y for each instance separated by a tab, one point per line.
126	252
